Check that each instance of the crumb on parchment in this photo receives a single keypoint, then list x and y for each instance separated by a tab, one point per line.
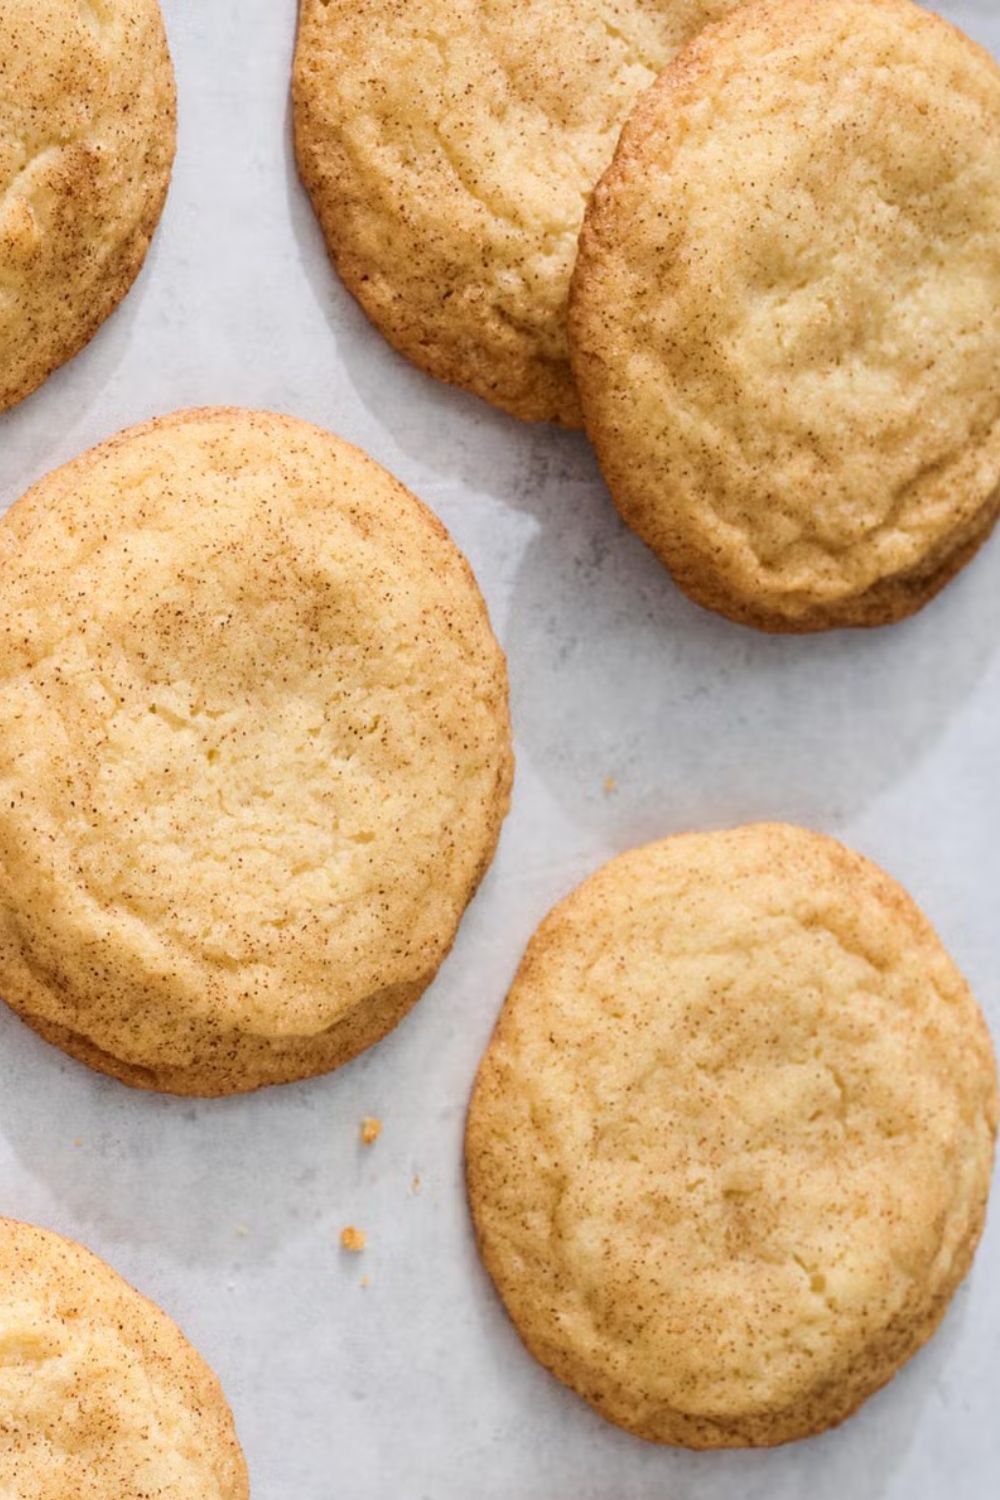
371	1129
416	1184
353	1239
610	785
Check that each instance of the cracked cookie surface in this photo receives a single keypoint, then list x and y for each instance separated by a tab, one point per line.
730	1146
784	314
449	150
87	129
254	752
101	1394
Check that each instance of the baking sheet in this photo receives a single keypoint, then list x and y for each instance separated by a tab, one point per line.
228	1213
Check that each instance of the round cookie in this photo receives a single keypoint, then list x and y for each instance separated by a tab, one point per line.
784	313
729	1149
87	129
101	1393
254	752
449	149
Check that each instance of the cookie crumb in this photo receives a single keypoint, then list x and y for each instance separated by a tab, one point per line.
78	1141
353	1239
610	785
365	1283
371	1129
416	1184
242	1231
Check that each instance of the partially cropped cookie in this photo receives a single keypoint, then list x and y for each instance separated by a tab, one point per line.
785	312
87	128
101	1394
730	1146
254	752
449	147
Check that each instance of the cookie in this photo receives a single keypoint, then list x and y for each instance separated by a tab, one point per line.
784	314
449	149
87	129
101	1393
254	752
730	1146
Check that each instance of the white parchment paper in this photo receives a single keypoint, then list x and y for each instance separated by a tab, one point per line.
228	1213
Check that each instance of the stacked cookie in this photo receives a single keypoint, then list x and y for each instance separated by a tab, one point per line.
785	313
782	325
449	147
729	1150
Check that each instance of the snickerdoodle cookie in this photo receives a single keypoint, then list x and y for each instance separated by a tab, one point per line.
100	1392
730	1147
785	312
254	752
449	147
86	146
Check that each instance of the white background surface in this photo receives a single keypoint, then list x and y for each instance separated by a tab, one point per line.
228	1213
